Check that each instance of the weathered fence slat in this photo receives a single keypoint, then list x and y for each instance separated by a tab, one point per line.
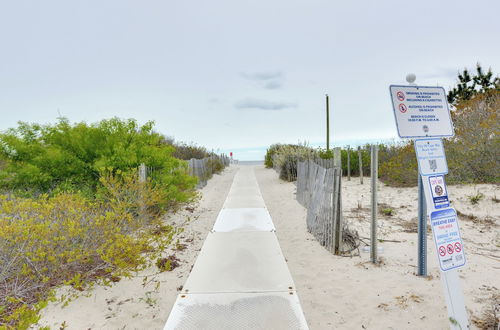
319	190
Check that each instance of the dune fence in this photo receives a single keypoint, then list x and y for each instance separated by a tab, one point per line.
205	168
319	191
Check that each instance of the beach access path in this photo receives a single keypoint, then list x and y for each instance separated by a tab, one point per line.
240	279
335	292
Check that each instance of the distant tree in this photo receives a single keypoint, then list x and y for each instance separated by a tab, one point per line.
468	86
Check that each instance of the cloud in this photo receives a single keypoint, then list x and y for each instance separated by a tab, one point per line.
266	75
266	79
273	84
263	104
214	100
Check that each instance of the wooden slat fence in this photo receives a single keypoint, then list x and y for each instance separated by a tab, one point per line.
319	190
204	168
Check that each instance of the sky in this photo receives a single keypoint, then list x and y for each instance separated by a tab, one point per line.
235	75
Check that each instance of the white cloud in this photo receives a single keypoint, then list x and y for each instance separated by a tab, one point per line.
250	103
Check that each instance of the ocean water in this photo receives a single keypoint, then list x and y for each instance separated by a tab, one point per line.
251	162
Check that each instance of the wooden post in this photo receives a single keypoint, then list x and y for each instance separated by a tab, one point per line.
142	173
327	123
374	175
348	163
360	166
337	160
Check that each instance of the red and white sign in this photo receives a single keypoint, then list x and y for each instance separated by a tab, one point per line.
446	234
421	111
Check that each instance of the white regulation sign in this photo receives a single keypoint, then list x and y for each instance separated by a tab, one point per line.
431	157
421	111
446	233
439	192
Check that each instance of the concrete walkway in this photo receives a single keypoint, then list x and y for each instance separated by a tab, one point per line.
240	279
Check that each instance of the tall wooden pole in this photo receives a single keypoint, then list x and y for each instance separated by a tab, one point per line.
327	123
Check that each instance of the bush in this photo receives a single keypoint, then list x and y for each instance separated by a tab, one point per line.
354	160
287	156
68	158
271	151
472	154
187	151
67	239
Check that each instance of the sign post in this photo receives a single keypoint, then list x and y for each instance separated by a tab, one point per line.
422	113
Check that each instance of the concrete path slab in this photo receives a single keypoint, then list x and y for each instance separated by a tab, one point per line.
239	262
243	219
256	311
240	279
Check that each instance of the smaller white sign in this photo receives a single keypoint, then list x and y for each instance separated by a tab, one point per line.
431	157
439	192
421	111
449	247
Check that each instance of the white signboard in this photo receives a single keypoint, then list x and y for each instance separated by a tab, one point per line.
439	192
430	156
421	111
446	233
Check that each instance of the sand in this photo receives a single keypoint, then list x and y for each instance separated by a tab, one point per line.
351	293
129	304
335	292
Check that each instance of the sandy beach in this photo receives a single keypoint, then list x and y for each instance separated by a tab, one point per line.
335	292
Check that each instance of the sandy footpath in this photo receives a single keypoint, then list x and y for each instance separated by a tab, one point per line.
335	292
129	304
351	293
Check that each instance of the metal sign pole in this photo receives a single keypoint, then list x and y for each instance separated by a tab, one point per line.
457	313
422	230
422	113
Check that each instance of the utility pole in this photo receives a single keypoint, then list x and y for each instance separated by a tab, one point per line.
327	123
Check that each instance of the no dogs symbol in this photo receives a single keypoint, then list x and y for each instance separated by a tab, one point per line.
458	247
400	96
402	108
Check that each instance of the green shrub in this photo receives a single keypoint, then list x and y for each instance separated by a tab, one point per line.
287	156
68	239
271	151
398	165
474	199
188	151
68	158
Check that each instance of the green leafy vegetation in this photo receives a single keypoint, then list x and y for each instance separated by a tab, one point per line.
474	199
469	86
69	239
73	211
69	158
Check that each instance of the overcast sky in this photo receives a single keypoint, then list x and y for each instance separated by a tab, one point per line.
235	75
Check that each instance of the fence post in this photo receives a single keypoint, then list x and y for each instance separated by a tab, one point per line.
142	173
374	175
337	160
348	163
360	165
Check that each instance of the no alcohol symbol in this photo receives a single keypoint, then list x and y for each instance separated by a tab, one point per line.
450	249
402	108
